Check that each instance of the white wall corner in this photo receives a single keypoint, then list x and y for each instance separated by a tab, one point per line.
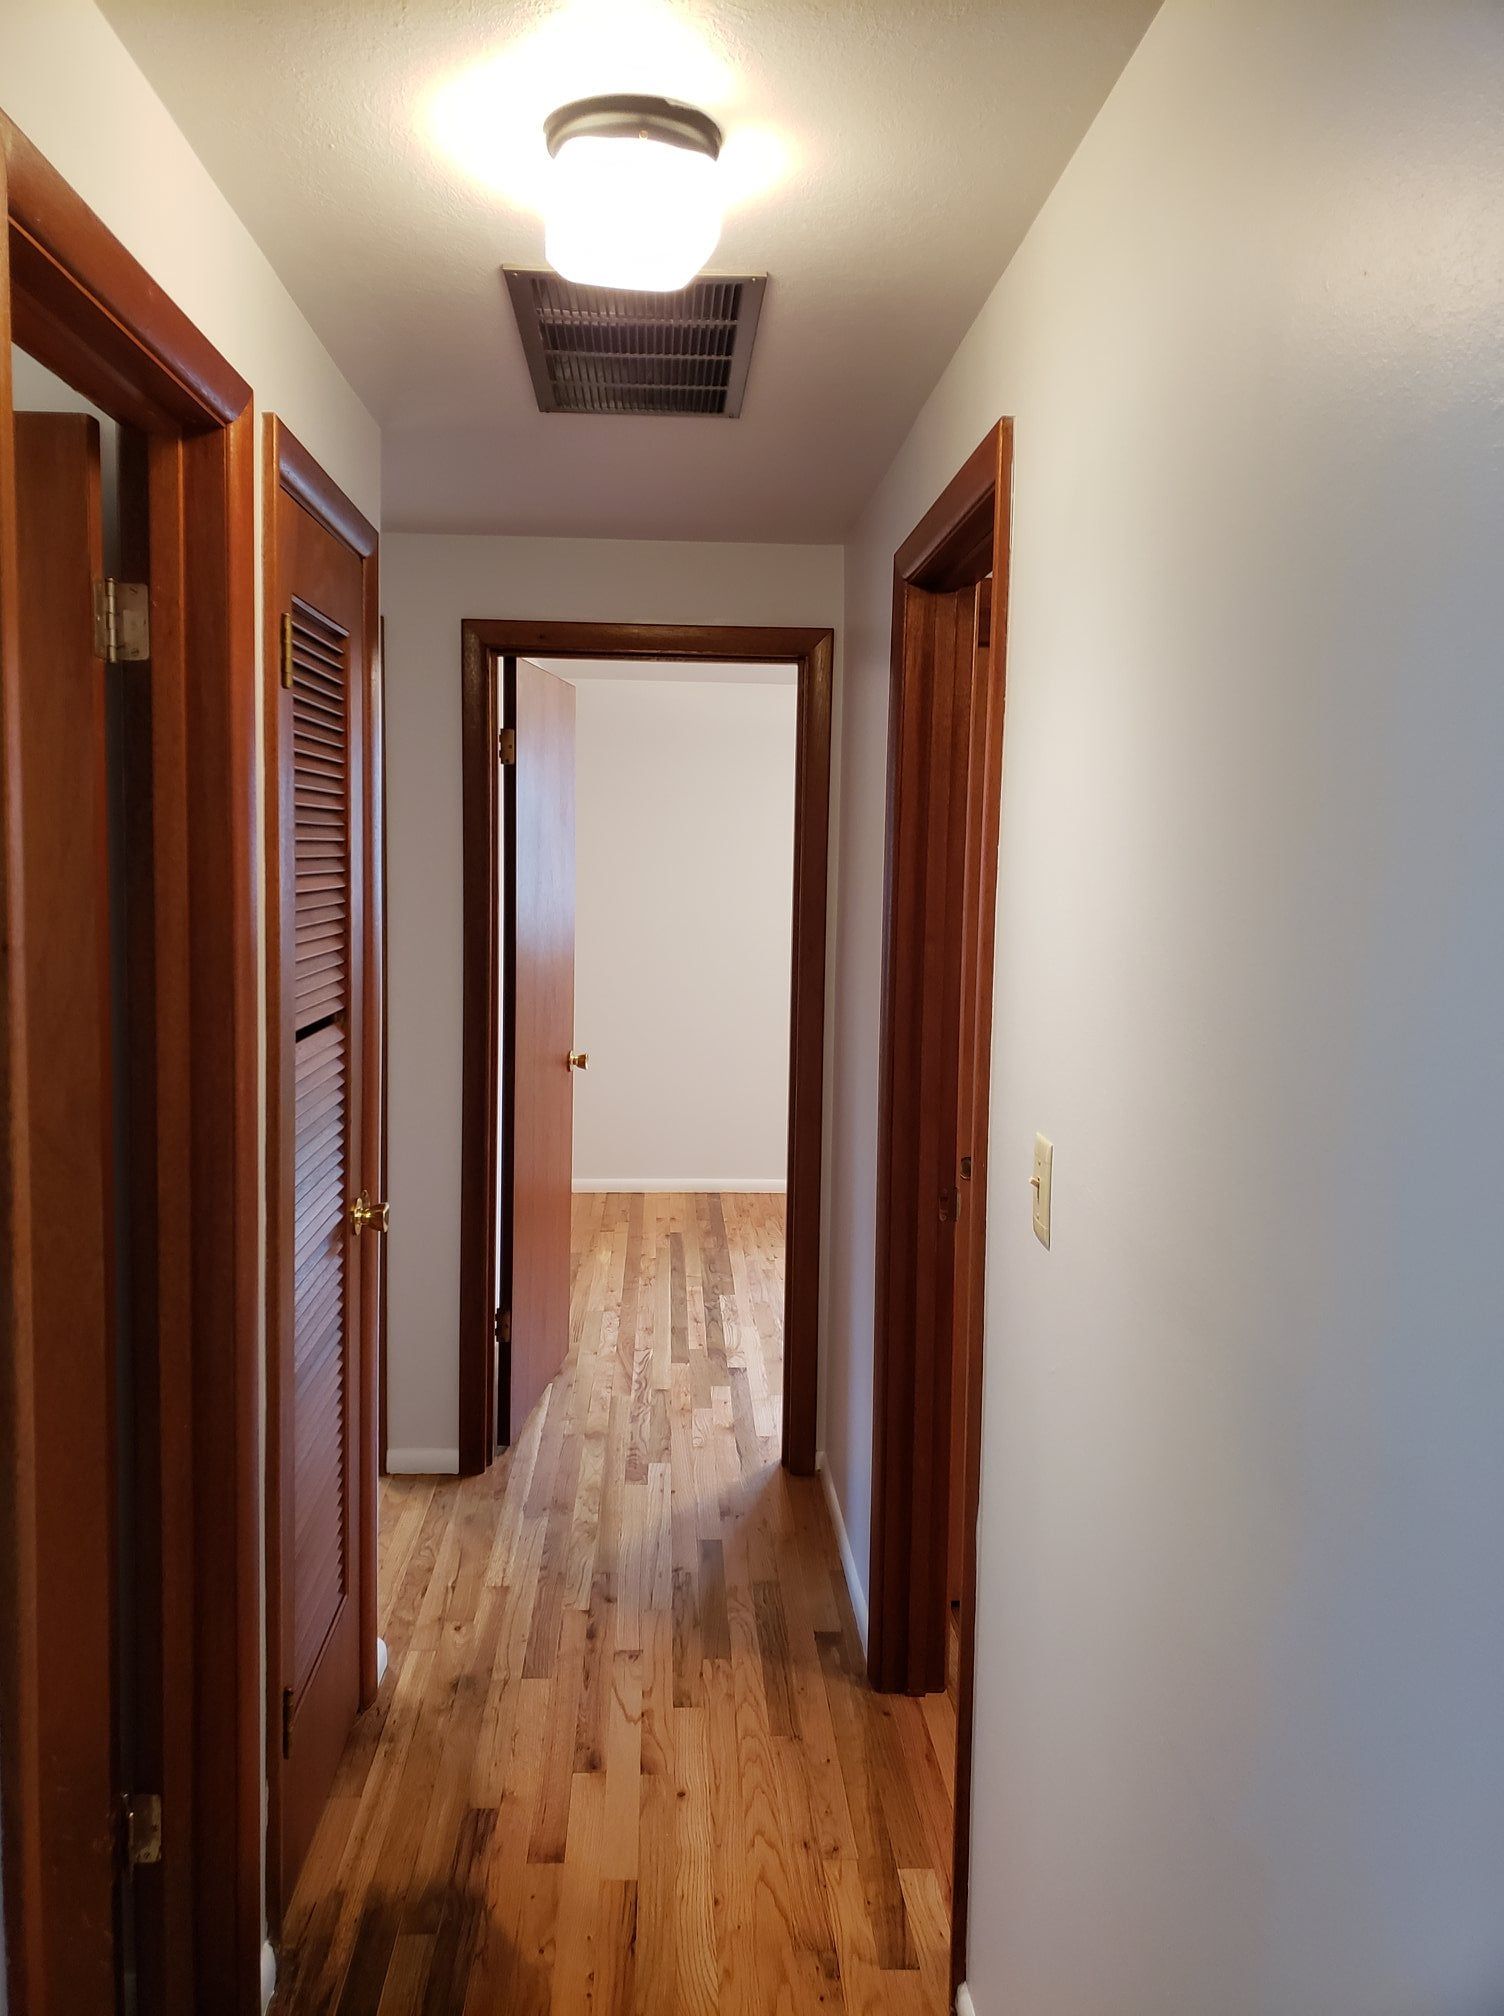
964	2004
849	1568
268	1975
423	1462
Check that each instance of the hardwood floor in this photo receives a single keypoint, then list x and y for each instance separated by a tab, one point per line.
625	1757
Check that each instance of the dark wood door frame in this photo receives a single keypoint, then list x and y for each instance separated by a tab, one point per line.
77	301
483	640
293	481
961	539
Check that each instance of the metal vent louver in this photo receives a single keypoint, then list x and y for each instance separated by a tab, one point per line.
605	350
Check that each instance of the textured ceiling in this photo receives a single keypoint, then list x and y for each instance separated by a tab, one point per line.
885	158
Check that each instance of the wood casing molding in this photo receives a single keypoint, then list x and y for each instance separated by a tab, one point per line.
291	476
77	301
964	536
483	640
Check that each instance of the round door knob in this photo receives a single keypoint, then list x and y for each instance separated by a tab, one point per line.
579	1060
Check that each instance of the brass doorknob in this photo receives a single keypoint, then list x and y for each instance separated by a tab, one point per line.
366	1216
579	1060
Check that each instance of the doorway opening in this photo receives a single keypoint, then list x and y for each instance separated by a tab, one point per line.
522	1234
683	906
129	1702
945	748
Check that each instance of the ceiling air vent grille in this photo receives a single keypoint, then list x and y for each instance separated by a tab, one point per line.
606	350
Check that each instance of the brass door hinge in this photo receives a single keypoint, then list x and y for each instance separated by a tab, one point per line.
503	1326
141	1818
122	622
286	1721
287	651
506	745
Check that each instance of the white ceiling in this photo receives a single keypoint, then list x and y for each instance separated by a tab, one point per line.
680	671
885	159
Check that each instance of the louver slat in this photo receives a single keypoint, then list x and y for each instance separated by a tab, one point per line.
604	350
320	1398
322	1178
321	818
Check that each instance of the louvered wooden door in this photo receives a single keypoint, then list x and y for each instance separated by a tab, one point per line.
326	979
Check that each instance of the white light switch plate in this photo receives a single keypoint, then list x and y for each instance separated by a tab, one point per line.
1044	1163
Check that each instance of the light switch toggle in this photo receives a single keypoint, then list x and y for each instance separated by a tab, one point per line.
1039	1183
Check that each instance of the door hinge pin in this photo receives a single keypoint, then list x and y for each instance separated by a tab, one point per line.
286	1721
507	745
142	1814
122	622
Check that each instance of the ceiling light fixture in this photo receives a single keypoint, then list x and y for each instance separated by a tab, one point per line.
633	198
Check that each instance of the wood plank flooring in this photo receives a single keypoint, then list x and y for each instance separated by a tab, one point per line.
625	1757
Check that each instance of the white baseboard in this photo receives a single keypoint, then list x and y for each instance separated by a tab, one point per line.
658	1186
382	1660
964	2004
268	1976
423	1462
848	1560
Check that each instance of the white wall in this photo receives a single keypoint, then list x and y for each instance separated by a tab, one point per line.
431	582
684	872
1240	1726
68	83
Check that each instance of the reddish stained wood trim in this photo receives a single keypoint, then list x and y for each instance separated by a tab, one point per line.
126	341
85	308
480	791
965	534
812	651
20	1789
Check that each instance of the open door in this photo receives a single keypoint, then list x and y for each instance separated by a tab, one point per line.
68	1032
538	1054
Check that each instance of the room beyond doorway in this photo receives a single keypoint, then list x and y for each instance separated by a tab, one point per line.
510	967
684	842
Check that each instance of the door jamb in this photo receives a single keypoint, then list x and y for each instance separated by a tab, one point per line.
294	480
812	650
965	534
86	309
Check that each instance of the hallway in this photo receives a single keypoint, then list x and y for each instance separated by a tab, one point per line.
625	1757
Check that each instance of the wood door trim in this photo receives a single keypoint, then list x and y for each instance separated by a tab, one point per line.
812	651
963	535
82	294
85	308
291	473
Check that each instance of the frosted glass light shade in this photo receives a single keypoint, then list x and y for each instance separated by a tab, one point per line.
631	212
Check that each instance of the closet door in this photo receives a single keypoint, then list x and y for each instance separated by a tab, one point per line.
323	769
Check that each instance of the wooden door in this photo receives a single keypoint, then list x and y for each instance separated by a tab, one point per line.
974	1083
537	1038
67	1009
327	1022
923	1201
